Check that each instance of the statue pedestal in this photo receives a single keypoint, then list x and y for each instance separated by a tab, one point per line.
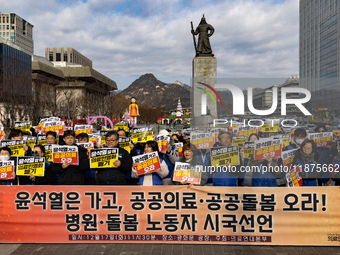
204	109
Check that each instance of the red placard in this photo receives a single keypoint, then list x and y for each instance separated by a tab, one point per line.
186	172
272	151
6	170
65	154
293	177
147	163
1	132
59	129
179	147
202	140
162	141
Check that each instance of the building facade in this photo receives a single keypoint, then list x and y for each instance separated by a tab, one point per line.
319	53
15	84
16	29
67	54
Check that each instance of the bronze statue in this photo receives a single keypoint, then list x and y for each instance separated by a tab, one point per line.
203	48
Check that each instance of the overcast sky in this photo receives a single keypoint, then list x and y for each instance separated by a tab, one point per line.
126	39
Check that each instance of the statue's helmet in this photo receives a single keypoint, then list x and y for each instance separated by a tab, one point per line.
203	20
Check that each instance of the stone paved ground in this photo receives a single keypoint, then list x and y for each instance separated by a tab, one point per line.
165	249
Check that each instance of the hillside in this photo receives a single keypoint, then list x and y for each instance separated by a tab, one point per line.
152	92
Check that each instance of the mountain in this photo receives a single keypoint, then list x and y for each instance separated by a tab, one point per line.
152	92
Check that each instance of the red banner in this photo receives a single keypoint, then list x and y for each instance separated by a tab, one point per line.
164	214
293	177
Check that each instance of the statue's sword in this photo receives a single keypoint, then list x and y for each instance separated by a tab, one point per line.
192	28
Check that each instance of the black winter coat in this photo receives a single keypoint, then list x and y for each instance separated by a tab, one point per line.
73	175
116	175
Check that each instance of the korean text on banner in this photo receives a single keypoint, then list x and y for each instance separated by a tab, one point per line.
87	129
293	177
6	170
248	150
30	141
202	140
162	141
34	165
124	142
16	146
164	214
88	146
239	140
48	152
186	172
288	156
321	139
103	158
23	126
65	154
268	147
285	138
56	126
179	147
124	126
245	131
269	127
220	156
142	135
147	163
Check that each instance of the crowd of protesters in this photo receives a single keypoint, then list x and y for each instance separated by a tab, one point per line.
123	170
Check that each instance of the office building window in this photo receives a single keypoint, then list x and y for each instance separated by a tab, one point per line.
50	57
65	56
58	56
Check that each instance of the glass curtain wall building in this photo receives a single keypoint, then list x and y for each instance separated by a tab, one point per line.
320	54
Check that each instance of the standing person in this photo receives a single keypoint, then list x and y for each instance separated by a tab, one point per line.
190	157
154	178
89	174
308	157
227	178
51	138
72	174
5	155
259	178
133	110
39	151
115	175
17	134
298	138
203	45
133	152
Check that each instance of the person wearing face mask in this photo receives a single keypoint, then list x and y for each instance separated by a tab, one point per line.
5	155
154	178
190	157
298	138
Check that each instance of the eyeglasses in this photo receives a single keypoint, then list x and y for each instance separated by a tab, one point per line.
109	141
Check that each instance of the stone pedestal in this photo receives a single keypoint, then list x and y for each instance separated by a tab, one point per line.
204	109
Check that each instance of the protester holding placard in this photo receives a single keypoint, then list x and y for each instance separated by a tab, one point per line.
226	178
117	174
17	134
5	155
154	178
190	156
298	138
324	154
259	178
308	157
38	151
89	174
72	174
51	138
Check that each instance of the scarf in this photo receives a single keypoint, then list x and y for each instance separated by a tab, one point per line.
307	158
